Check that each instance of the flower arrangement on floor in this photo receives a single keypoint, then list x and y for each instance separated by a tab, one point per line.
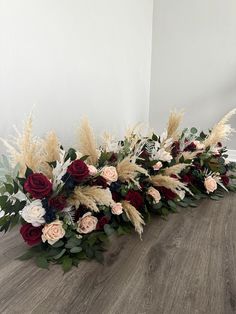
69	202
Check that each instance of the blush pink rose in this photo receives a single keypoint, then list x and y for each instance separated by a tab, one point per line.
157	166
92	170
87	223
117	209
210	184
110	174
154	194
53	232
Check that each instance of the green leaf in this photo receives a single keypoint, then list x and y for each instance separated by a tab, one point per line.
84	157
99	256
66	263
58	244
42	262
193	130
9	188
3	200
26	256
60	254
171	204
28	172
215	198
108	229
76	249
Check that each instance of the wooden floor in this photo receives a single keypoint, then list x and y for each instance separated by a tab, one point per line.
184	265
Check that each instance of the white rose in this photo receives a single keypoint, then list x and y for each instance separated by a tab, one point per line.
210	184
155	194
163	155
53	232
33	213
110	174
117	209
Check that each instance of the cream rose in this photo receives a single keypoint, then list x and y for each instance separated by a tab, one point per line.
92	170
110	174
157	166
87	223
53	232
210	184
117	209
155	194
199	145
33	213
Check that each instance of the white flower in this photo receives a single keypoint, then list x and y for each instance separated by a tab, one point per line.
163	155
181	194
33	213
92	170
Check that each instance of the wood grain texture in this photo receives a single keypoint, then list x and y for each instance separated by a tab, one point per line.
186	264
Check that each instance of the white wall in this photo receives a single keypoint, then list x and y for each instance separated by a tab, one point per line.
73	58
193	61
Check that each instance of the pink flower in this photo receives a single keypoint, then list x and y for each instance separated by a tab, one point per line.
110	174
210	184
155	194
157	166
92	170
87	223
117	209
53	232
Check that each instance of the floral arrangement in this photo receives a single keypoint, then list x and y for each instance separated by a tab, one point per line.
69	202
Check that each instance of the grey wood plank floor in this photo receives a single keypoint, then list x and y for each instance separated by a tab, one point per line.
186	264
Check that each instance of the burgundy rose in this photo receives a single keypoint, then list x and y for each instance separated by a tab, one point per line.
31	234
113	157
78	170
100	181
175	149
144	154
102	222
225	179
190	148
58	202
115	196
135	198
38	185
167	193
187	178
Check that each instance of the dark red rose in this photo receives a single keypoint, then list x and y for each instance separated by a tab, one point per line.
187	178
190	148
102	222
167	193
144	154
175	149
78	170
38	185
115	196
135	199
58	202
31	234
174	176
113	157
225	179
100	181
219	144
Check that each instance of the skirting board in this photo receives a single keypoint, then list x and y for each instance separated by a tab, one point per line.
232	154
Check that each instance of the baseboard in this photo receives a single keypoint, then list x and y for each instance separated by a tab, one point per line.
232	154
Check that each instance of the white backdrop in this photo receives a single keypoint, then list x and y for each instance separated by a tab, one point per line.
72	58
193	61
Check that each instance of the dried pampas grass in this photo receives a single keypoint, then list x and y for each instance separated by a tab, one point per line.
176	169
187	155
221	130
127	170
25	149
87	143
91	196
174	121
134	216
168	182
51	152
